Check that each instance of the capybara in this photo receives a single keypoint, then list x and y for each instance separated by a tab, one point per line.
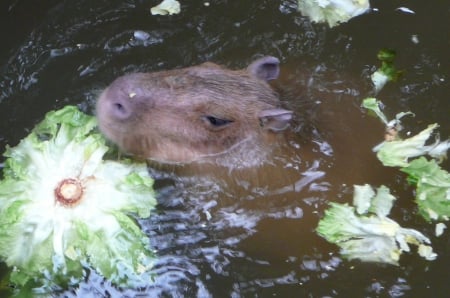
200	113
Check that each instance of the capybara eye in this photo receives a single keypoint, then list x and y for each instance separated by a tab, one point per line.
217	122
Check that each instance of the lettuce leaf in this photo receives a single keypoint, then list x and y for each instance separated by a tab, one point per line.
332	12
372	104
387	72
395	151
431	181
166	7
63	208
370	235
365	199
432	188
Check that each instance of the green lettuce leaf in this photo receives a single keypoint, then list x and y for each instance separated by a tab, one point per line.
373	105
332	12
432	188
387	72
62	207
431	181
370	235
166	7
382	202
395	151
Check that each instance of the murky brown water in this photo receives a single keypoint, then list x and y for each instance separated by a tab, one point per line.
248	234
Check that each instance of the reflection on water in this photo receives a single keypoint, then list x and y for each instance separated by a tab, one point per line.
250	233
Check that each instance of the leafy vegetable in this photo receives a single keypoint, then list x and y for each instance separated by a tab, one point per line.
439	229
62	207
373	104
387	72
432	182
382	202
166	7
395	151
370	236
332	11
361	197
433	188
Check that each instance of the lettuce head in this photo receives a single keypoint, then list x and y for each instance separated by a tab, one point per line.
63	208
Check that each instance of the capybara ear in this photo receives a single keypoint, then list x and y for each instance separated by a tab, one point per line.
275	119
266	68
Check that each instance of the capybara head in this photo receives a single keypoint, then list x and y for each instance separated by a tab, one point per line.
194	113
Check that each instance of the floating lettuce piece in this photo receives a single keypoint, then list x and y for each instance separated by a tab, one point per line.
379	80
433	188
62	207
387	72
373	105
439	229
332	12
432	182
382	202
395	151
362	195
371	236
167	7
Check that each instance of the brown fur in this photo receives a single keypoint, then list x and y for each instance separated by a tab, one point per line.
168	112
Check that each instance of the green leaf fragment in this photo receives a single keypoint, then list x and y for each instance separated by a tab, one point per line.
433	191
166	7
373	105
387	72
369	236
439	229
397	153
332	12
362	196
382	202
433	188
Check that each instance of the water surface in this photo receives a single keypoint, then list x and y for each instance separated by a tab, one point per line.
249	234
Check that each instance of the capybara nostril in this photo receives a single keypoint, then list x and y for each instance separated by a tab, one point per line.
121	110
